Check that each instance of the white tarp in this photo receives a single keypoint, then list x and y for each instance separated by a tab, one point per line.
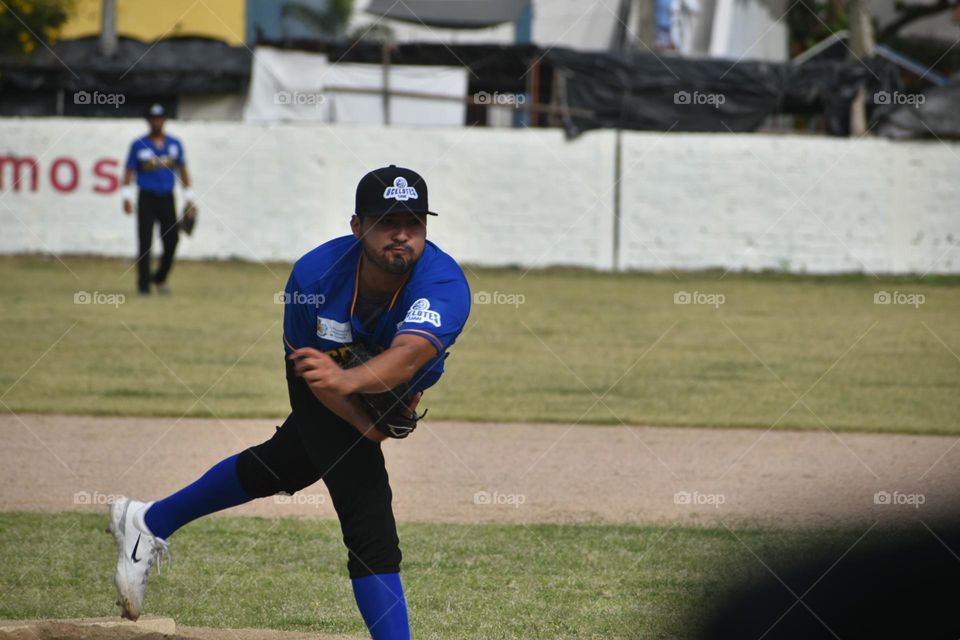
294	85
286	85
216	106
750	30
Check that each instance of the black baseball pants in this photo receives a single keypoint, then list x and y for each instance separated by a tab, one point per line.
316	444
153	208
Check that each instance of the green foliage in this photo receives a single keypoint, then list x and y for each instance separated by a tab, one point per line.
24	24
331	22
810	21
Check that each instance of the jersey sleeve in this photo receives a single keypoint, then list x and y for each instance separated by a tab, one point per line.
181	156
132	163
438	312
298	323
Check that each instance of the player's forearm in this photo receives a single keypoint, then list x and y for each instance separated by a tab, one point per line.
127	177
185	177
349	412
387	371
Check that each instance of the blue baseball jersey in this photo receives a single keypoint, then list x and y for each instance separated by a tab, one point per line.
155	165
321	300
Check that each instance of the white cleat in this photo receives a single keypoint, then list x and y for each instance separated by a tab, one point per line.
138	551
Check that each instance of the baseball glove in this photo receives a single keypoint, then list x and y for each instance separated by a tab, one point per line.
188	219
389	410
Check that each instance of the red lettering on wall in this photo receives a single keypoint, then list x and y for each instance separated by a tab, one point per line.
22	173
19	166
102	169
74	171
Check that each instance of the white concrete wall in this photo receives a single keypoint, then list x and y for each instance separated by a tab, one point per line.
274	191
802	204
510	197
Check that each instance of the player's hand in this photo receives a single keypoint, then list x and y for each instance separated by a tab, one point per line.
127	207
320	371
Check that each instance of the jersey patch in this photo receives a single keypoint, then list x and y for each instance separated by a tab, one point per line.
400	191
334	331
420	312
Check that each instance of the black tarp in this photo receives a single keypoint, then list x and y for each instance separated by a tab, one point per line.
937	116
645	91
139	70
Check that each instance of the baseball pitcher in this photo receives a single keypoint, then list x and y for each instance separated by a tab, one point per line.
368	320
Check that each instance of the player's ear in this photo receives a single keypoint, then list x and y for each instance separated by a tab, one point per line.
356	227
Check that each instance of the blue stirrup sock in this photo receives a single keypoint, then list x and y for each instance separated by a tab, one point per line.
380	597
217	489
383	606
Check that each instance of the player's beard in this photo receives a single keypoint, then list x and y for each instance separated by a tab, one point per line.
390	262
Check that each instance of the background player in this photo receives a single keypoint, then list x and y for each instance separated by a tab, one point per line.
155	159
385	287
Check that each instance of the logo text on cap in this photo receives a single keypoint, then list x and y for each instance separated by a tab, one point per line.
400	191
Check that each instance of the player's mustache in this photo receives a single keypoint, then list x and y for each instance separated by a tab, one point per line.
400	246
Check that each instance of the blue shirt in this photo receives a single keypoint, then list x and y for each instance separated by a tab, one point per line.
321	295
156	166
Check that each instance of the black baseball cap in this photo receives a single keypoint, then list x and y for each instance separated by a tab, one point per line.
390	190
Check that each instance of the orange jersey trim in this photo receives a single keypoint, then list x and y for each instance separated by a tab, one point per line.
434	339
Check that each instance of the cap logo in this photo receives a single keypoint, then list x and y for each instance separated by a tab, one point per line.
400	191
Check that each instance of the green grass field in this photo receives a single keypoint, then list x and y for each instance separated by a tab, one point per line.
576	346
214	348
462	581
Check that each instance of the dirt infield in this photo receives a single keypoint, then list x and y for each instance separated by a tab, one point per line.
455	472
67	630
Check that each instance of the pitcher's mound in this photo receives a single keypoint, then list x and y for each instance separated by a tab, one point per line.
146	628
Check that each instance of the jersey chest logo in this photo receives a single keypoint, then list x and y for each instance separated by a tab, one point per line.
150	161
329	329
420	312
